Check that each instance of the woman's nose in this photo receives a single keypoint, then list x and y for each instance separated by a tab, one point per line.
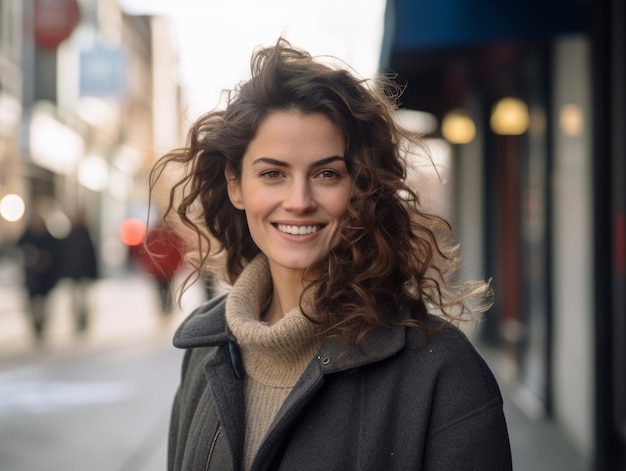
299	197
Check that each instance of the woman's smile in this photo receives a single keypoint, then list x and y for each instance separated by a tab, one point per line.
297	230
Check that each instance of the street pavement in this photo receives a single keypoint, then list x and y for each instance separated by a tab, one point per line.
101	401
537	444
98	401
105	409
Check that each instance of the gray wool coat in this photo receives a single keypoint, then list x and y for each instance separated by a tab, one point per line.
401	402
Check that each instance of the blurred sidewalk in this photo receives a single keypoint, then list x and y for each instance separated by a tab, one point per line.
537	443
119	377
125	311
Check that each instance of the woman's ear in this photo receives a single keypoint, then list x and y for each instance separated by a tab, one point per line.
234	188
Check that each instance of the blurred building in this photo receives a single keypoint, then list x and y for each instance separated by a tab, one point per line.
89	98
529	98
10	108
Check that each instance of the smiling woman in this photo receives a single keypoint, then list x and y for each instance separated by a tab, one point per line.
326	348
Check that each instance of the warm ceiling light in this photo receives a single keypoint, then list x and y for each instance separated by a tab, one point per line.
458	128
571	120
510	116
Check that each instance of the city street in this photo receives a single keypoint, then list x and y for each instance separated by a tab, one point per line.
104	409
506	121
102	402
98	402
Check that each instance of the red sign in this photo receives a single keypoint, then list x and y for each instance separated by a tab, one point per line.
54	21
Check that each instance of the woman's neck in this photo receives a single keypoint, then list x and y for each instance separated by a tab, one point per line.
286	292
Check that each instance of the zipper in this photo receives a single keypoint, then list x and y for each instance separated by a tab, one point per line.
212	447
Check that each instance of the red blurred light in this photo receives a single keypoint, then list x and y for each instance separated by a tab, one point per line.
132	231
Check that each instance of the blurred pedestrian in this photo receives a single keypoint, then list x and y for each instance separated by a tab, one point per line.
161	256
80	266
335	348
39	253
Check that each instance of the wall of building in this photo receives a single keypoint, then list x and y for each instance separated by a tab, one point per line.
10	109
573	378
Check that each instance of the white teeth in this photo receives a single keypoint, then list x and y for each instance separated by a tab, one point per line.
298	230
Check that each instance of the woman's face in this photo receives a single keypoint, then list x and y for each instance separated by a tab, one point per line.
294	188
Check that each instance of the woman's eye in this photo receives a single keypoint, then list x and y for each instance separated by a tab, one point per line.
271	174
328	174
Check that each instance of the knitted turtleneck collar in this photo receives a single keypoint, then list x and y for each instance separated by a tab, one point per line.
272	355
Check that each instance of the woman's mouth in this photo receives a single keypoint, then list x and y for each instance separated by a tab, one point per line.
298	230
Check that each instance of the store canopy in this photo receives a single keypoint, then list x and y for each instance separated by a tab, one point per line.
437	47
427	24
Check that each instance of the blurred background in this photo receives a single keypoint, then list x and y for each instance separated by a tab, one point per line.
523	105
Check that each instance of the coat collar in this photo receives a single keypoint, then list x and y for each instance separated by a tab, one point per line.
382	343
206	326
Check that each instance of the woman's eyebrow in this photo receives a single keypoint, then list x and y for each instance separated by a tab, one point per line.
328	160
280	163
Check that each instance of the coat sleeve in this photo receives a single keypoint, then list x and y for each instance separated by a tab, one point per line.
176	435
467	426
476	442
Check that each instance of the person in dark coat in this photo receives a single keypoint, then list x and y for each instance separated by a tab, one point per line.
40	262
80	266
337	346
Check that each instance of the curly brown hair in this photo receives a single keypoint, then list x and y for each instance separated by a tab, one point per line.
392	253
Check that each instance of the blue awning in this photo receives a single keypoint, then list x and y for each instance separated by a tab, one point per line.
433	24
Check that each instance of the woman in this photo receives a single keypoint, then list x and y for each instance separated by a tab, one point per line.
324	354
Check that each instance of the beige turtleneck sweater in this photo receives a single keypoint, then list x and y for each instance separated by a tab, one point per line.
274	357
